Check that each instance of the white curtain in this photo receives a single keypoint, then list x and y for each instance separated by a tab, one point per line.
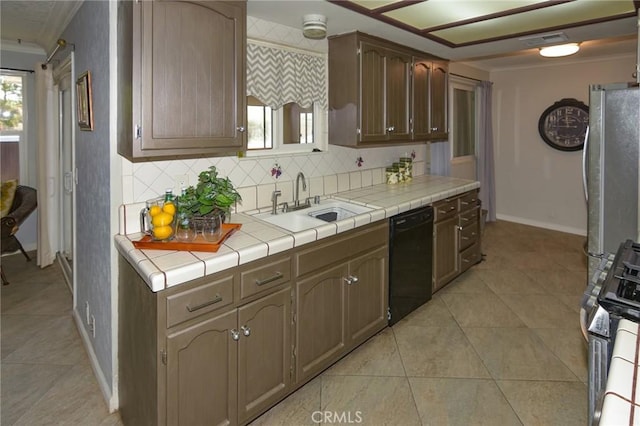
440	158
486	163
47	160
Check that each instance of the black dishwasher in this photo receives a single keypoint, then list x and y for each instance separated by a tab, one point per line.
410	261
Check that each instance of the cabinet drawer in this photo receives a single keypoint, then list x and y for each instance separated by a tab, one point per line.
264	277
468	235
445	209
467	218
468	200
199	300
470	257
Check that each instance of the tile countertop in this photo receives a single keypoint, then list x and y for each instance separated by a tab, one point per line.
621	404
257	239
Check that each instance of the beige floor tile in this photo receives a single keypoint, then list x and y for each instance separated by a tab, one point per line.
71	399
483	310
297	409
507	281
560	281
53	299
432	314
57	342
517	354
571	301
373	400
570	346
541	311
437	352
23	385
378	356
547	403
17	330
469	282
461	402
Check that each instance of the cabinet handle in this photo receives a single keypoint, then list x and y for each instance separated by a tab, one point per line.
351	280
217	299
276	277
240	129
391	129
245	330
452	208
472	201
235	334
464	219
465	260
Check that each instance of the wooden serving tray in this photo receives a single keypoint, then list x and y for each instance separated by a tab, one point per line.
199	244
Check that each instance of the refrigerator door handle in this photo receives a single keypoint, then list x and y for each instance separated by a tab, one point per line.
584	165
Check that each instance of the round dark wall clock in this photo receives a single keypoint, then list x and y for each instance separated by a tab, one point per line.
564	124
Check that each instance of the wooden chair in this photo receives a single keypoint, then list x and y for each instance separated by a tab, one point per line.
24	203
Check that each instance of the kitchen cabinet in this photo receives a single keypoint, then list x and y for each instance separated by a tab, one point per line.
369	91
341	296
429	99
200	353
380	91
456	237
188	96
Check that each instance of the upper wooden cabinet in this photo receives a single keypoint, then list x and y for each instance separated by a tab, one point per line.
429	96
188	80
378	92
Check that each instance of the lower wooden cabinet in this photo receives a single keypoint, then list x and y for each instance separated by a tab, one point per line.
225	348
456	237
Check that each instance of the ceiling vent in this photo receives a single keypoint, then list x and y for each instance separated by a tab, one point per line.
541	40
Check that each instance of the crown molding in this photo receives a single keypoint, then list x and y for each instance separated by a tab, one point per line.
21	47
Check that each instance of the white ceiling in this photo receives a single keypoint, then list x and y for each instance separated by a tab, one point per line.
41	22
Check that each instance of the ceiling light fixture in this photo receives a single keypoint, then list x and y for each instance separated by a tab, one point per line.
559	50
314	26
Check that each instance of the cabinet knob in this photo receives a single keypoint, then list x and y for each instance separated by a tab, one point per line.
240	129
459	227
351	280
245	330
391	129
235	334
434	129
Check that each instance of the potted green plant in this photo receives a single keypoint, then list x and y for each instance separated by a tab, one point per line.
211	194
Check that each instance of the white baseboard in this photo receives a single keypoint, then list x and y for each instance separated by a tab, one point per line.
109	398
545	225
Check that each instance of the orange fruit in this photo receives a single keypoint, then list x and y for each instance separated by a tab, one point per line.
154	210
169	207
162	232
162	219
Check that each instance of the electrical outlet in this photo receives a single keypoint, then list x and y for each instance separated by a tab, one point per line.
86	313
181	181
92	326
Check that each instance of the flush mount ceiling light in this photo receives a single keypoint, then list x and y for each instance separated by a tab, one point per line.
314	26
559	50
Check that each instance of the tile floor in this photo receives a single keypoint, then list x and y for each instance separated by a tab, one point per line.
501	345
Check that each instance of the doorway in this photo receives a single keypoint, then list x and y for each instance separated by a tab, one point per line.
463	134
63	81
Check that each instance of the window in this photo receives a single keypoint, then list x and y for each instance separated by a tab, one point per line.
464	122
287	126
11	125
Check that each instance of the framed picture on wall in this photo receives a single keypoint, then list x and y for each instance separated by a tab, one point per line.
83	95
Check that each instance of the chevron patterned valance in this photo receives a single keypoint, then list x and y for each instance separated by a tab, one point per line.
278	76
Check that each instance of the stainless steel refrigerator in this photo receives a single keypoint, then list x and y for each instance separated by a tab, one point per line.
611	166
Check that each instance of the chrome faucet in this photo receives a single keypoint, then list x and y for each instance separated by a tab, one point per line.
296	202
274	201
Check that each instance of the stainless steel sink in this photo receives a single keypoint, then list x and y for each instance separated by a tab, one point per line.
328	210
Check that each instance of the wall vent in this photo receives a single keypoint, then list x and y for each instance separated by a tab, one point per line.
542	40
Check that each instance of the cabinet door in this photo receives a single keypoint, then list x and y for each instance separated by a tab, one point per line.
420	99
372	93
191	80
264	357
202	373
445	252
367	295
398	69
320	323
439	80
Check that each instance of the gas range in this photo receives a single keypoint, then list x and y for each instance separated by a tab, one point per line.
620	292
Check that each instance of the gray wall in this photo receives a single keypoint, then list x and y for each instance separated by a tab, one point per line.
89	31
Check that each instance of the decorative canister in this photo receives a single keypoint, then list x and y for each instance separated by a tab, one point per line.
408	167
401	171
392	175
